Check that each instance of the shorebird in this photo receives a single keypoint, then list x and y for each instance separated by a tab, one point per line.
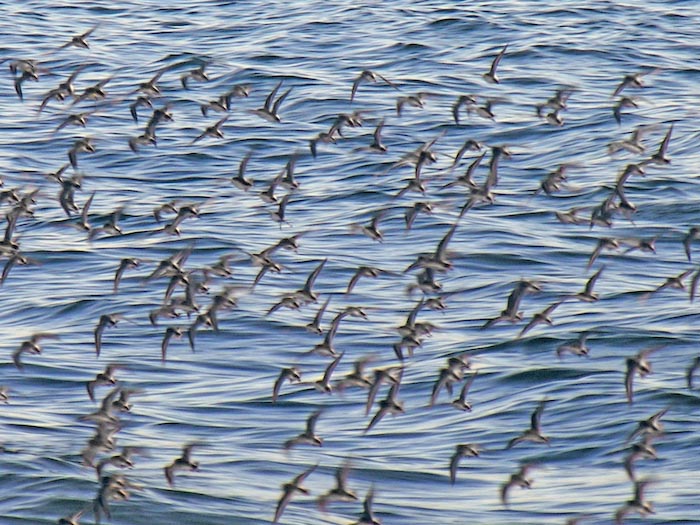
80	146
80	41
624	102
125	264
212	131
389	405
288	491
540	317
357	377
462	451
72	519
368	76
661	156
367	517
639	364
170	332
106	320
637	504
518	479
377	144
198	74
293	375
511	312
309	436
603	244
315	325
461	402
340	492
641	450
577	347
105	378
534	433
652	425
324	384
184	462
633	80
270	110
491	76
588	295
30	346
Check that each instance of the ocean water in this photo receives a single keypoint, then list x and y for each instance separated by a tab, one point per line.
219	396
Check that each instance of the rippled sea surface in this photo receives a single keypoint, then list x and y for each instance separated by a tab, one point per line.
219	397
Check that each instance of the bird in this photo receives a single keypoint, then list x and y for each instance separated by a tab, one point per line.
292	374
661	156
72	519
324	138
121	460
105	321
26	75
278	215
372	229
377	145
641	450
198	74
212	131
604	243
170	332
125	264
652	425
367	517
357	377
638	364
588	295
240	180
534	433
340	492
511	312
637	504
315	325
17	258
30	346
491	76
539	318
462	451
80	41
633	80
4	394
309	436
624	102
270	110
80	145
577	347
363	271
368	76
461	402
380	375
103	378
517	479
324	384
389	405
438	261
184	462
288	491
416	101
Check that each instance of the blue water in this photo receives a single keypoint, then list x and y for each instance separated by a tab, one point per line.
220	396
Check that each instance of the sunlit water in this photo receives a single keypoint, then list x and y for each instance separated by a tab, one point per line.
220	396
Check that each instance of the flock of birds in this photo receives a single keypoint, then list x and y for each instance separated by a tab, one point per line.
187	285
